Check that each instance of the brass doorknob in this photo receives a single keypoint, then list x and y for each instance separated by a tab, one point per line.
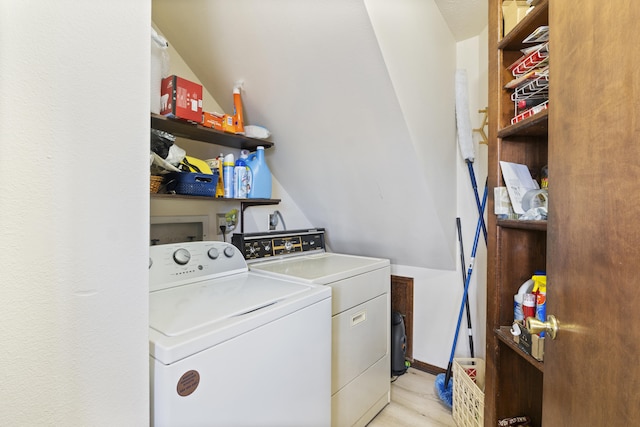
536	326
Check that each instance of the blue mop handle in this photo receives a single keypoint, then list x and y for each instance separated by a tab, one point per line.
474	184
466	285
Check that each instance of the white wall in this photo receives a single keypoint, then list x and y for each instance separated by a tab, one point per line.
421	63
74	129
438	293
472	56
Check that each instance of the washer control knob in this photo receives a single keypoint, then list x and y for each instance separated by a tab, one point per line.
229	251
181	256
213	253
288	245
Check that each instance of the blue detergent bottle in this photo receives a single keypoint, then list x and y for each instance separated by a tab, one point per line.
260	175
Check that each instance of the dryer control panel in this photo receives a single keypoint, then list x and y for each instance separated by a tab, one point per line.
279	243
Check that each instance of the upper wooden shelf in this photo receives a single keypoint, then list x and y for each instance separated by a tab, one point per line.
536	125
195	132
537	17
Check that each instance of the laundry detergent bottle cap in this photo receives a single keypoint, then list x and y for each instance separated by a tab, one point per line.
260	175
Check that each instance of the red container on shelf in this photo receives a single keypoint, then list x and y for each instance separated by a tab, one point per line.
181	99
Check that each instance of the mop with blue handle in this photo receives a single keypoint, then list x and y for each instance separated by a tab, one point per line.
465	136
442	383
464	280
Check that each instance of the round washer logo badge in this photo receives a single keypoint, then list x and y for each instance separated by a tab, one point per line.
188	383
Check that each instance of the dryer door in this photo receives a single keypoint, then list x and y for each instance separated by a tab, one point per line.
360	339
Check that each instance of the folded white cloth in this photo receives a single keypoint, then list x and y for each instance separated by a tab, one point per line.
259	132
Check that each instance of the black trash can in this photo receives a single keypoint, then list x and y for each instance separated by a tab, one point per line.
398	345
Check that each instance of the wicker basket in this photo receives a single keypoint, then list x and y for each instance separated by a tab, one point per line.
156	182
468	392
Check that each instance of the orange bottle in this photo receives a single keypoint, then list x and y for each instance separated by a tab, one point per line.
238	119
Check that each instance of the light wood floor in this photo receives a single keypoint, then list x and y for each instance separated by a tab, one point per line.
414	403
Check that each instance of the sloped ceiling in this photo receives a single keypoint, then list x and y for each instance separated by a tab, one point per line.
465	18
346	152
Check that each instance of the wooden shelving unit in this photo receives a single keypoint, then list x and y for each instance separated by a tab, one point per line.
588	137
515	248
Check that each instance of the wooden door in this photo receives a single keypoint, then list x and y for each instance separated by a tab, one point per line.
592	369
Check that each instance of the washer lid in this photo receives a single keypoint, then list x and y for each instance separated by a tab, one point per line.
184	309
320	269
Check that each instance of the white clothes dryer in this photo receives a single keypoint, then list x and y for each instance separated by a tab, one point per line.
360	377
229	347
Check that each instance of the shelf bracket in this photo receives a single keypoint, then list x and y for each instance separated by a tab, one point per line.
253	202
485	122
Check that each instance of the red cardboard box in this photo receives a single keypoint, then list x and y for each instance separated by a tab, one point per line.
181	99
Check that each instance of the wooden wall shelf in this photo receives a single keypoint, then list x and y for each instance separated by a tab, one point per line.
184	129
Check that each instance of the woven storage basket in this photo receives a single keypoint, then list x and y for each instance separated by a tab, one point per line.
468	392
156	182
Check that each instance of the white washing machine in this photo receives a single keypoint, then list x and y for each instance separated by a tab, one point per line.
360	286
229	347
